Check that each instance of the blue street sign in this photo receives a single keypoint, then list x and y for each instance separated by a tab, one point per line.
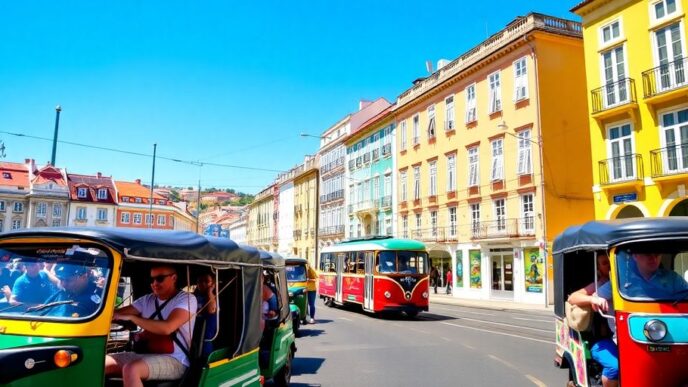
628	197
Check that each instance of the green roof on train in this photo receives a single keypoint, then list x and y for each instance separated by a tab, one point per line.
387	243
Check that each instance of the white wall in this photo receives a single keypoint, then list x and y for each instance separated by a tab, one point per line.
286	219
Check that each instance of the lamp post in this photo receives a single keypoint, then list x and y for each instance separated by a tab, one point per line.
58	109
543	221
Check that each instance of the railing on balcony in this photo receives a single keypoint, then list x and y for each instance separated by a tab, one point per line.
331	230
672	160
366	157
364	205
338	194
665	77
504	228
376	154
386	149
621	169
434	234
613	94
332	165
386	201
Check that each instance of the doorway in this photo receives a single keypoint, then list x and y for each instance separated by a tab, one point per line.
502	281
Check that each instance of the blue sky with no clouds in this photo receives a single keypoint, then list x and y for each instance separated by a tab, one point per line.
226	82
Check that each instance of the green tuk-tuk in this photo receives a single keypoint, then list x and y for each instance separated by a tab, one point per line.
297	279
39	346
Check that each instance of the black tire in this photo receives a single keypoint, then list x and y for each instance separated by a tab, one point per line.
329	301
283	377
296	323
412	313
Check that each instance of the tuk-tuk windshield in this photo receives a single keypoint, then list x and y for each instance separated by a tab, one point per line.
405	262
53	282
653	273
296	273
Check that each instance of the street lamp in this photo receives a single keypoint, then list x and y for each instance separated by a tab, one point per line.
543	223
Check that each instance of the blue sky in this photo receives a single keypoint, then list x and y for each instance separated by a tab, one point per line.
218	81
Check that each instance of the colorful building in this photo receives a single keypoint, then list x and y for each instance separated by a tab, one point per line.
136	210
48	199
92	200
14	188
261	220
285	213
306	209
370	171
237	230
489	154
635	59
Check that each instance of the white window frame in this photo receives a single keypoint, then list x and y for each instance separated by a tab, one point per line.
499	208
102	214
612	40
404	226
674	159
81	192
495	83
16	224
520	79
431	132
125	218
452	221
416	182
41	209
449	114
524	158
674	70
475	217
616	90
402	128
497	159
57	222
416	129
162	220
433	222
81	213
451	172
419	222
18	207
471	105
623	164
528	212
667	16
102	194
473	167
57	210
137	218
432	170
403	180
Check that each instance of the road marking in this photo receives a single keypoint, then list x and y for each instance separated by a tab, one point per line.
347	319
445	338
467	346
506	363
506	325
536	381
498	333
465	311
533	319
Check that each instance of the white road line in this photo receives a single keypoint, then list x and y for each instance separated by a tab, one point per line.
506	363
464	311
533	319
498	333
445	338
506	325
536	381
467	346
347	319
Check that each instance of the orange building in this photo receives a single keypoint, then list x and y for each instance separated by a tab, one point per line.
135	210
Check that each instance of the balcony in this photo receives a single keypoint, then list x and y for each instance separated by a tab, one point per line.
386	150
332	165
376	154
366	158
670	163
436	234
665	82
331	230
622	171
613	98
338	194
386	201
504	228
364	206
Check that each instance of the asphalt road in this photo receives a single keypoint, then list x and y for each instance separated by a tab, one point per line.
448	346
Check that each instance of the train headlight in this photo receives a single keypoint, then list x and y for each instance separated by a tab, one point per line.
408	295
655	330
425	294
388	294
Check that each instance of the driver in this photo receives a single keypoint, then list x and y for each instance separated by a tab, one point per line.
648	279
77	286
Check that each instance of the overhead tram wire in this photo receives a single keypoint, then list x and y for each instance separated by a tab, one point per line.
190	162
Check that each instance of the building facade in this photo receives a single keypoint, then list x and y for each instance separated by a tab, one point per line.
14	189
261	220
306	210
370	167
237	230
285	213
92	201
48	199
634	60
135	209
482	176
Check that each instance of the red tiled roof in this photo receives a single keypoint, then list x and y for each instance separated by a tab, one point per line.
49	174
93	184
580	5
14	174
136	190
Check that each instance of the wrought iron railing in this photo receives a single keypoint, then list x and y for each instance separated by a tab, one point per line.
665	77
613	94
621	169
331	230
338	194
672	160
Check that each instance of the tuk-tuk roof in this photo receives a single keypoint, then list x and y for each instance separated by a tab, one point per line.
601	235
268	258
295	260
153	244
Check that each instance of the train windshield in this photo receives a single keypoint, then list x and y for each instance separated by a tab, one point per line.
404	262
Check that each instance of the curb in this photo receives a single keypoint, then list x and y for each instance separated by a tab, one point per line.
489	305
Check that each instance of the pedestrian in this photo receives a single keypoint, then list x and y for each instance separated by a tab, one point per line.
449	281
312	289
434	277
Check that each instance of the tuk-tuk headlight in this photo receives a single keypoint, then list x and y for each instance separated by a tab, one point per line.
388	294
655	330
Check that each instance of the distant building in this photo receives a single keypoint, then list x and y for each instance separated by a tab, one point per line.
93	200
237	230
14	188
49	196
134	209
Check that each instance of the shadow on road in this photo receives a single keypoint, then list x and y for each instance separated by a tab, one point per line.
305	332
306	366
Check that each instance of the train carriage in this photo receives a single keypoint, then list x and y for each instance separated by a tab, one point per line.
382	274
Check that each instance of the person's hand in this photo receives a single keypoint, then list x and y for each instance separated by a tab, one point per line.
599	304
7	291
121	317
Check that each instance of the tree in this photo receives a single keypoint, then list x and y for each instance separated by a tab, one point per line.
174	195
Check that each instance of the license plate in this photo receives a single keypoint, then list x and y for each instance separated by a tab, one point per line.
659	348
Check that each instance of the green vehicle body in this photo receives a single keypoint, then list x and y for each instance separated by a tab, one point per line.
297	280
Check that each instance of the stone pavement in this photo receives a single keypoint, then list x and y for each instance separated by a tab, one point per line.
442	298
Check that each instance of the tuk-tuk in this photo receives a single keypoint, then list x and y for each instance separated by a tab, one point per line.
297	278
40	344
648	304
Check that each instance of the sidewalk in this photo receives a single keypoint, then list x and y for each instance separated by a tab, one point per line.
445	299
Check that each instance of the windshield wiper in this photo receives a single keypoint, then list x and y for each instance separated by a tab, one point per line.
680	296
11	307
48	305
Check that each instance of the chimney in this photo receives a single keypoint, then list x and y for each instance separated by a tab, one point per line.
99	175
362	104
138	181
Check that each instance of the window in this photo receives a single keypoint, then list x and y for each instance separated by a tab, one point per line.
473	180
402	178
495	93
149	219
16	224
124	217
419	224
2	206
57	210
18	207
615	83
57	222
451	173
162	219
663	8
475	218
611	32
431	121
102	214
669	55
404	226
675	141
416	183
81	213
524	159
449	113
41	210
433	222
402	128
102	194
497	160
81	192
125	199
137	218
6	175
520	80
620	148
452	221
416	128
433	178
387	186
528	222
471	106
138	200
500	214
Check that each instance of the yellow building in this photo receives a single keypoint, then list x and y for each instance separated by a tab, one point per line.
638	101
489	156
261	231
306	209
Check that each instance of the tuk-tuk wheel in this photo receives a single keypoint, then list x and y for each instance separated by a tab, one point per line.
296	323
283	377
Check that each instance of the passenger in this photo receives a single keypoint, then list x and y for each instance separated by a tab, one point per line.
167	311
207	308
604	351
647	279
269	305
32	287
77	286
312	289
7	279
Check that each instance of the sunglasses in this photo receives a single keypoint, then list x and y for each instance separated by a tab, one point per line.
160	278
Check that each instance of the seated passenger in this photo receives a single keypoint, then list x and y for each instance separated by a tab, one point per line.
32	287
647	279
167	311
207	308
269	305
77	286
7	279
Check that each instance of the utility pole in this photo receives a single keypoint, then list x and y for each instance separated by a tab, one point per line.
150	210
198	205
58	109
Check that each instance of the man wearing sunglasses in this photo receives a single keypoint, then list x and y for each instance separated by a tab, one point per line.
166	311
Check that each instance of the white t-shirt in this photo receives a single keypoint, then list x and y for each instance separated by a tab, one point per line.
183	300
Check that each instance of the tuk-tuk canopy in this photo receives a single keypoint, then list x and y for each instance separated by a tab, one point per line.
183	246
601	235
295	261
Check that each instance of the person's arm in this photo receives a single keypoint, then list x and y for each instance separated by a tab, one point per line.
17	293
176	319
128	310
